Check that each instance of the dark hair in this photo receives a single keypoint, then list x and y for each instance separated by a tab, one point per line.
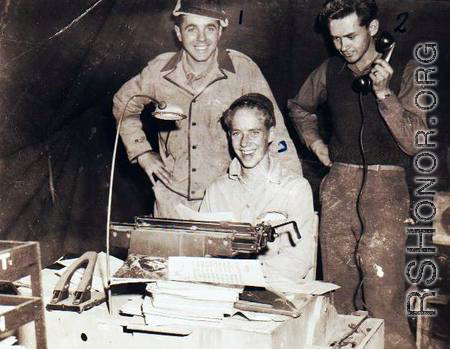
178	20
366	10
250	101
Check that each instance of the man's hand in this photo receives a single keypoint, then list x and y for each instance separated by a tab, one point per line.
152	164
321	150
381	74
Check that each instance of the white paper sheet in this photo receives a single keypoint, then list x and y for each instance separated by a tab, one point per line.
188	213
194	291
245	272
311	287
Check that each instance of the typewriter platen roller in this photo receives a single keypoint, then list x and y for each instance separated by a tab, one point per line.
174	237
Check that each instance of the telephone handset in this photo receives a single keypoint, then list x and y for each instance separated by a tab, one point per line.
384	44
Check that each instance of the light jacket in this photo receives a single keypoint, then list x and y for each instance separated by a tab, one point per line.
195	149
281	197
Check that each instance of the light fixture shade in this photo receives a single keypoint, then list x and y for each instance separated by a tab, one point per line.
169	112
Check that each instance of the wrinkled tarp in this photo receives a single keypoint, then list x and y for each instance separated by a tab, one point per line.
56	92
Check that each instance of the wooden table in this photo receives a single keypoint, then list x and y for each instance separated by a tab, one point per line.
96	329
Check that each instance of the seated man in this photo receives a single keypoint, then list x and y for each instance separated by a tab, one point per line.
258	188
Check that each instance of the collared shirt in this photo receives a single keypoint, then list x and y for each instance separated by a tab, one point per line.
280	197
400	112
198	82
195	149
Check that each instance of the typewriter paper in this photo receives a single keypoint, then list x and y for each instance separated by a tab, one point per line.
188	213
310	287
243	272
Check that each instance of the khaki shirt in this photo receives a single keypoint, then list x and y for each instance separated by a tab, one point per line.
195	149
282	197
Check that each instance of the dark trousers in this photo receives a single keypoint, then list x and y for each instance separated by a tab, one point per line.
381	249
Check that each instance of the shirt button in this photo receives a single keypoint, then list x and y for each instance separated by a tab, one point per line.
193	192
194	124
194	147
194	169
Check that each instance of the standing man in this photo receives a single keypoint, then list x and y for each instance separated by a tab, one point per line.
202	80
371	241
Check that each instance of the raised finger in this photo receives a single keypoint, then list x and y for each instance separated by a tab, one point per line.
373	76
380	74
381	64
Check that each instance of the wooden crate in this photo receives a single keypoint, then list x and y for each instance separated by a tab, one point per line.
17	260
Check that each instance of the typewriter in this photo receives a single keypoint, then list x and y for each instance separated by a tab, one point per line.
174	237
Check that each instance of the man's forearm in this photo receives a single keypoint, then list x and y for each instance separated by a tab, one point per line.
128	104
305	123
302	108
402	123
400	113
291	264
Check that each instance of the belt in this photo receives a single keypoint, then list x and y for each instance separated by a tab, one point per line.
372	167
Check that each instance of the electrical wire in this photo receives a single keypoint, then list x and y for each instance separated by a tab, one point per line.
108	214
110	191
358	204
161	105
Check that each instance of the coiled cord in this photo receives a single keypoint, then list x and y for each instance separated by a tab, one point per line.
358	204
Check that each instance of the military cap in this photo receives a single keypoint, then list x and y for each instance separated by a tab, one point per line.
203	8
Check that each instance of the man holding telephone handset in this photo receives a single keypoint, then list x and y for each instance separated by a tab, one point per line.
364	198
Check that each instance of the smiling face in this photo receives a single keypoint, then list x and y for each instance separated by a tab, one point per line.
353	41
199	36
250	137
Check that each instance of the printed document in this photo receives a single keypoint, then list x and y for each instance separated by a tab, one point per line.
245	272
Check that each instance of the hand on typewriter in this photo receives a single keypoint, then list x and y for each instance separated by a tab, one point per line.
152	164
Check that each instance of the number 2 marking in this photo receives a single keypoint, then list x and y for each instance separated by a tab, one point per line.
402	17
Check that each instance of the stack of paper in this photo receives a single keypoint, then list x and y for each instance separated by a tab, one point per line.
188	301
198	288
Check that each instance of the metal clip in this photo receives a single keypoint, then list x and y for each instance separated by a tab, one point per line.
84	298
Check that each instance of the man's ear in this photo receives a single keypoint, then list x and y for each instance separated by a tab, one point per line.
374	25
178	32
